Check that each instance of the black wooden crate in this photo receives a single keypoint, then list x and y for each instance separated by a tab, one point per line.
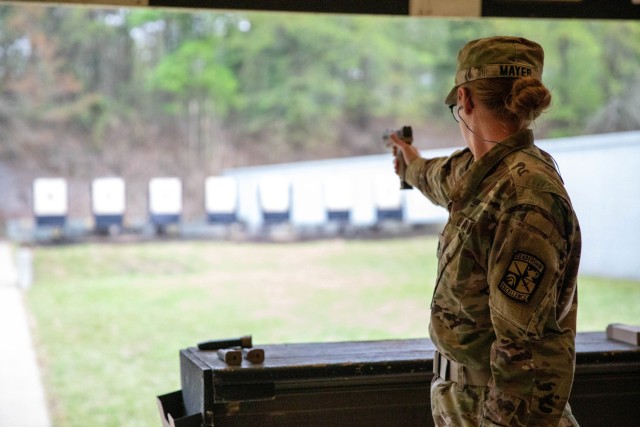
606	387
372	383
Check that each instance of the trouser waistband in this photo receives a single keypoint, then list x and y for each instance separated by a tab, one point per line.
459	373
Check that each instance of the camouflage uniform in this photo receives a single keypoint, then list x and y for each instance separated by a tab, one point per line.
505	299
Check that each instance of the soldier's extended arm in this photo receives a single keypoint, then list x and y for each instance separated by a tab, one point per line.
435	177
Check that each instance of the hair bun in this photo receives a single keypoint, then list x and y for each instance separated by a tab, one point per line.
528	98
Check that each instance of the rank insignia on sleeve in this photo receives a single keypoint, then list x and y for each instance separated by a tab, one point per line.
522	277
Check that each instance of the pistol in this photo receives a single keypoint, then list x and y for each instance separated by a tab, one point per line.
405	134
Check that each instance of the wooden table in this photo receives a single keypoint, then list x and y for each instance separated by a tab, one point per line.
372	383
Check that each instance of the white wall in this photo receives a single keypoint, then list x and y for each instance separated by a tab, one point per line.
602	176
601	173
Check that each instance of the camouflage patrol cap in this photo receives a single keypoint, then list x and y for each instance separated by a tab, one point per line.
501	56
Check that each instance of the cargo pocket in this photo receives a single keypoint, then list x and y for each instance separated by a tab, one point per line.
447	247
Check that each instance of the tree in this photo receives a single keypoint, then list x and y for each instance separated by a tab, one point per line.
200	86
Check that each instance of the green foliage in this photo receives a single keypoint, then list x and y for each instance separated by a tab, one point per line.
194	72
318	76
298	81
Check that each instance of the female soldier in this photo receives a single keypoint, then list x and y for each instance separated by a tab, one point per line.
503	314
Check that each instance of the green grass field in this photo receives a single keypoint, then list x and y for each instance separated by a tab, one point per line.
109	320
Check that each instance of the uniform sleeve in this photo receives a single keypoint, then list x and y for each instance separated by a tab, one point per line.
532	358
435	177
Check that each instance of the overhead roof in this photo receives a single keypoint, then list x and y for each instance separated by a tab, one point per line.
580	9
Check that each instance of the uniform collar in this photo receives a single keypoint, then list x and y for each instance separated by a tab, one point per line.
466	186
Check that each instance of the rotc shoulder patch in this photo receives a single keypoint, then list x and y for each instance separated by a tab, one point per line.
522	277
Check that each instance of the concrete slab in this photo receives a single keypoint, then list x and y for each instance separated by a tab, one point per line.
22	397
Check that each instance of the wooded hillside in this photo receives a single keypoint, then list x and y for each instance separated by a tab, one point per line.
89	92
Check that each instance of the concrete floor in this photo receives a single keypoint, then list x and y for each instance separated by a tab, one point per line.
22	398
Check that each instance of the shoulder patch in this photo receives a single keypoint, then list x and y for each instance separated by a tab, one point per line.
522	277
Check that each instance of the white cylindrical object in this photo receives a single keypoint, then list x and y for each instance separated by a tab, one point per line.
387	194
275	193
24	267
165	196
221	195
108	196
338	192
50	197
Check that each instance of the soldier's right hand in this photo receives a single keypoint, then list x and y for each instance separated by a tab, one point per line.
409	152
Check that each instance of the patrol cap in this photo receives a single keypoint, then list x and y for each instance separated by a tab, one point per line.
502	56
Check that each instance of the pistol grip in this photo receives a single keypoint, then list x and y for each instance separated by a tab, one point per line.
402	169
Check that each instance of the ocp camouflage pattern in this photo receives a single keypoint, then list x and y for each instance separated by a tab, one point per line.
505	298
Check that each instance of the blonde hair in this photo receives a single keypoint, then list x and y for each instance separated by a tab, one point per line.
517	102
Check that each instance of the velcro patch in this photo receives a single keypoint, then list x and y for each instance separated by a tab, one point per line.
522	277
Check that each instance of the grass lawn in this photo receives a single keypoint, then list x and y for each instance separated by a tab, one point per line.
109	320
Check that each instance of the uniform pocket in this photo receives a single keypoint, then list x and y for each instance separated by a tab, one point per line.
448	244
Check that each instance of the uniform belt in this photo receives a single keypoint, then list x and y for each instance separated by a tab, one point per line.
457	372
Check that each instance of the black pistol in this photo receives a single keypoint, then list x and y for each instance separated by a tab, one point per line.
405	134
